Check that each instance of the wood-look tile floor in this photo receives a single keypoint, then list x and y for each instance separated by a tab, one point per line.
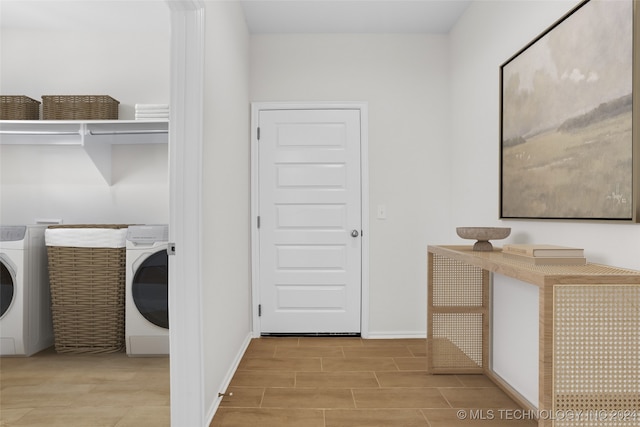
281	382
352	382
73	390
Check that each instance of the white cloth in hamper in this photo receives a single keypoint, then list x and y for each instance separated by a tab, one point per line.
86	237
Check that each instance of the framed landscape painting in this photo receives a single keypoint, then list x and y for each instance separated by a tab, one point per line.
568	137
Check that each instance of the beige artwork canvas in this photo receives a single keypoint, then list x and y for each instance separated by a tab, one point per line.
566	131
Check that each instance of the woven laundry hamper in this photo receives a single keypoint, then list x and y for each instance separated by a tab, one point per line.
87	279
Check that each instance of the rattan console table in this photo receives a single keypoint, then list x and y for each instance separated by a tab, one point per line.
589	333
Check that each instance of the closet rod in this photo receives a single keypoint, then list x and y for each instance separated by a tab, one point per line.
31	132
128	132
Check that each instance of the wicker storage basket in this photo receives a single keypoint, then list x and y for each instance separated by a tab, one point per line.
87	296
19	107
79	107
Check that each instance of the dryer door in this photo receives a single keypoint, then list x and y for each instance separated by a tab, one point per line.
7	285
150	289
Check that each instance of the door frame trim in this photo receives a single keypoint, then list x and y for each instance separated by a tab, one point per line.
185	213
256	107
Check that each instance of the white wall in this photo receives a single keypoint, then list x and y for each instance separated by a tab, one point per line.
40	182
131	64
225	200
488	34
404	79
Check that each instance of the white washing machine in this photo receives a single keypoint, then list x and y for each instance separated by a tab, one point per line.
147	291
25	307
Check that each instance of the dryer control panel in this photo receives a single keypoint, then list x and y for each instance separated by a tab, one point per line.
12	233
147	234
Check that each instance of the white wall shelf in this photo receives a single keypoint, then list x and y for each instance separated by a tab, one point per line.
95	136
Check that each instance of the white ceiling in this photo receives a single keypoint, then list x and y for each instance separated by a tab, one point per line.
353	16
263	16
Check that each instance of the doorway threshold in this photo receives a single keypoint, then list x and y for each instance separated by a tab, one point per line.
311	334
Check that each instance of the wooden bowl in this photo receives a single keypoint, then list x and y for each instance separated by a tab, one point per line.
483	235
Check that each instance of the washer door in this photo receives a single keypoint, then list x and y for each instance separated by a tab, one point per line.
150	289
7	286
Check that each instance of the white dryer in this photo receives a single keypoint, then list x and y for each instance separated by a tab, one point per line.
147	291
25	304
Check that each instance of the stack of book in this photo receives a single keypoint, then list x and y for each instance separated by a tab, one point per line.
544	254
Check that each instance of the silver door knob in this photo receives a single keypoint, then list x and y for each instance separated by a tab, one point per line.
355	233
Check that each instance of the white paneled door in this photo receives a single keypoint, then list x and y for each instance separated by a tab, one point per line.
310	237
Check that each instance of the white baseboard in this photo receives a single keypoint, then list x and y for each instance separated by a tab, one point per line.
227	380
396	335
